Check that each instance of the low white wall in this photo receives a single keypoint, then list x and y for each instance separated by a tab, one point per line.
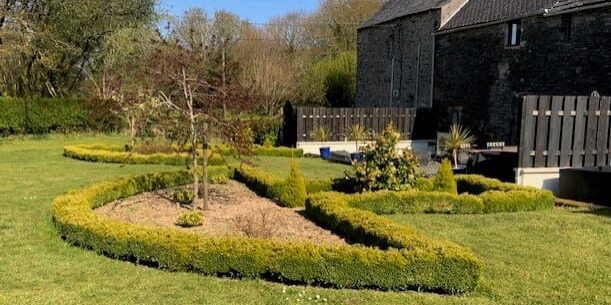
417	146
543	178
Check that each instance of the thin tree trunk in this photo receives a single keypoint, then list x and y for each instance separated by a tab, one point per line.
224	80
205	169
455	152
194	156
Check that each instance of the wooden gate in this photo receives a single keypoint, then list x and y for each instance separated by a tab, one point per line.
565	131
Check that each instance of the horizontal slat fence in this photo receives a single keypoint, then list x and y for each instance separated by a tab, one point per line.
565	131
338	121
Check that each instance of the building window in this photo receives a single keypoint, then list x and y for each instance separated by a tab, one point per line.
514	33
567	26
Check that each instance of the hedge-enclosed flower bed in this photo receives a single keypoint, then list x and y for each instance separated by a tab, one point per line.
117	154
400	258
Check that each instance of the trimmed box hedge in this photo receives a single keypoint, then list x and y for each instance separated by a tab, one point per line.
410	261
479	195
435	262
271	186
117	154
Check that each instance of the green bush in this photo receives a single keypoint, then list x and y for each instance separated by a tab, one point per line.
294	192
444	181
220	179
424	184
271	186
118	154
414	262
440	263
190	219
412	202
517	201
183	196
43	115
385	168
278	151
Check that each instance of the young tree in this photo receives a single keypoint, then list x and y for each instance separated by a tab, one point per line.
226	30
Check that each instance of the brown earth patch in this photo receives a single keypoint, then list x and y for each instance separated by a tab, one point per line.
234	210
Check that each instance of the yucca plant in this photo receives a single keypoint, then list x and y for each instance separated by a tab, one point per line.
459	137
321	134
358	134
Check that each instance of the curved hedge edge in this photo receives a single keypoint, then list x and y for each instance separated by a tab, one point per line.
111	154
272	186
330	266
454	266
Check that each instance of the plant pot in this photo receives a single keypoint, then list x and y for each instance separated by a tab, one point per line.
325	153
357	157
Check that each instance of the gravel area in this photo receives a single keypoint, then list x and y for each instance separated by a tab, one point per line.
234	210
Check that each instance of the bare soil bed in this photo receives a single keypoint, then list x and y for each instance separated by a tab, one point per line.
234	210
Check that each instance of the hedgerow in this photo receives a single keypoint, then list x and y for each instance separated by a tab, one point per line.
409	261
438	263
413	201
115	154
272	186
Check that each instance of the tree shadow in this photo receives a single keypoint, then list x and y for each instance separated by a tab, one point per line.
604	212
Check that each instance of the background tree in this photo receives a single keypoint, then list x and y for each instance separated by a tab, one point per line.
46	46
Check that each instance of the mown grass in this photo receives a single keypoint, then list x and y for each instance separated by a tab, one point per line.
559	257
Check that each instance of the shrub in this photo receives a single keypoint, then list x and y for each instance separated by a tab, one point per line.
416	263
190	219
294	192
517	201
412	202
424	184
118	154
433	261
183	196
384	167
444	181
43	115
220	179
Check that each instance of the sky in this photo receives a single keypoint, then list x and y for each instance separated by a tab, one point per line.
255	11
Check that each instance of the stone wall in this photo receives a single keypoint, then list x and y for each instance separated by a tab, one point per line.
481	78
409	41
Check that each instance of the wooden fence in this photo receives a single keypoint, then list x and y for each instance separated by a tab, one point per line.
565	131
338	121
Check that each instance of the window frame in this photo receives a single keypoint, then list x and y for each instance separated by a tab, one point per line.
514	33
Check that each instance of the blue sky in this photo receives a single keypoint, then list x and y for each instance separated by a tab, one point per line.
256	11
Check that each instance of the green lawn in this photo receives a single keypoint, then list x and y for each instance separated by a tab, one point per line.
559	257
310	168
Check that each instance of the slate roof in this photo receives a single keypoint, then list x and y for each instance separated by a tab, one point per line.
476	12
394	9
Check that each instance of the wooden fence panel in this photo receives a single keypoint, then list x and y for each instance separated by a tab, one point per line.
568	122
339	121
565	131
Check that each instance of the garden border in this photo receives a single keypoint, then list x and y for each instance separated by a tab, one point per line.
104	153
417	262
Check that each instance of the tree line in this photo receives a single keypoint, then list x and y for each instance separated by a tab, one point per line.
111	50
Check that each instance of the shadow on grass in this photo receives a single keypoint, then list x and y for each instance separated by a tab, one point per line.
604	212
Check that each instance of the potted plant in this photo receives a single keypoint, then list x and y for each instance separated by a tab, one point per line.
458	138
322	135
357	134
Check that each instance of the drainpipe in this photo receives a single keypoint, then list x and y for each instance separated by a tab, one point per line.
434	40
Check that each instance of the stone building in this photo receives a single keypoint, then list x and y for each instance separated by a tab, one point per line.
471	61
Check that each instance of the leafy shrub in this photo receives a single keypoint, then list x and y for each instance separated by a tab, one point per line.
417	262
444	181
190	219
278	151
294	192
183	196
218	179
42	115
265	128
424	184
385	168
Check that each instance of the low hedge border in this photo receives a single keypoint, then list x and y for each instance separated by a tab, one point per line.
116	154
417	262
441	264
271	186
